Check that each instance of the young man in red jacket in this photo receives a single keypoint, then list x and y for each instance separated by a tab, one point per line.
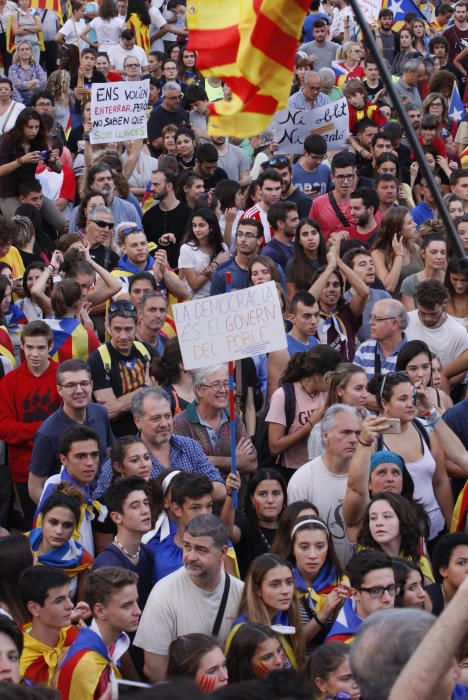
28	395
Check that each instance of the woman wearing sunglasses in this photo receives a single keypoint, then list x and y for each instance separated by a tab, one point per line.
421	451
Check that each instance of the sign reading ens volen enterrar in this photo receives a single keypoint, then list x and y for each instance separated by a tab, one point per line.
119	111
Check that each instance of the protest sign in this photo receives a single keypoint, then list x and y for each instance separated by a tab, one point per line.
118	111
370	10
230	326
293	125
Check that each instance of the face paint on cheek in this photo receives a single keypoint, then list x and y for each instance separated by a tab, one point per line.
207	684
261	668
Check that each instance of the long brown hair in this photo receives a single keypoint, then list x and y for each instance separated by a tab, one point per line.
392	223
255	609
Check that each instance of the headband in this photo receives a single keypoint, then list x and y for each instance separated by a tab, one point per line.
315	521
386	457
167	481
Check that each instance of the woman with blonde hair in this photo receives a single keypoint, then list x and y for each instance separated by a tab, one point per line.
59	87
25	72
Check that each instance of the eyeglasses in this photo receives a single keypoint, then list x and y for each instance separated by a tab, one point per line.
342	178
71	386
436	104
279	161
43	104
132	229
103	224
217	386
377	319
122	307
377	591
248	236
132	65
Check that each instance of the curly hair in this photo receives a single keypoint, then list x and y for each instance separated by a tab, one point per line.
410	529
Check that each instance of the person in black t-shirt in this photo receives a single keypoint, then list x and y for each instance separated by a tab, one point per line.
206	166
168	112
120	367
170	215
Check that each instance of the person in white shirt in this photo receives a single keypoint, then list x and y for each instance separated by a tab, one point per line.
189	600
323	480
126	47
72	30
107	26
430	322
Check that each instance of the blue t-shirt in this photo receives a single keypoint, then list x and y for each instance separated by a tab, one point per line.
314	183
167	555
460	691
295	346
308	26
279	252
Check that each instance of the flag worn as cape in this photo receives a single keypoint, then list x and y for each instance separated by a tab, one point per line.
142	33
86	668
251	45
10	37
400	8
460	511
39	661
71	339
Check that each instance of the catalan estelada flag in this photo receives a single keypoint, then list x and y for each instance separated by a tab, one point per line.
251	45
39	661
141	31
10	37
400	8
71	339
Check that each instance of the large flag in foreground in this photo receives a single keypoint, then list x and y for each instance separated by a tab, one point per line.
251	45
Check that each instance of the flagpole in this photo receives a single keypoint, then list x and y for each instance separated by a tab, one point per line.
411	135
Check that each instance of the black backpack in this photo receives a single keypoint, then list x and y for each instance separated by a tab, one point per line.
264	456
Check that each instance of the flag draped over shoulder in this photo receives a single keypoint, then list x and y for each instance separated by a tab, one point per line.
251	45
142	33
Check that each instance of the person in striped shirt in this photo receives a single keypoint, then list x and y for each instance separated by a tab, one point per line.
388	322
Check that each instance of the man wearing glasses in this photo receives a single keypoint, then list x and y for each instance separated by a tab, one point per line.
373	583
75	387
120	367
132	69
99	232
309	97
388	321
332	211
170	111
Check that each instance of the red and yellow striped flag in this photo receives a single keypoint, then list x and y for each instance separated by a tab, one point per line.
52	5
251	45
141	31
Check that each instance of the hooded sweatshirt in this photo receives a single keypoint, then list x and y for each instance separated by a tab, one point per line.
25	402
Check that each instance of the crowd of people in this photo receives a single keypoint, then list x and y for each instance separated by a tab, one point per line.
333	562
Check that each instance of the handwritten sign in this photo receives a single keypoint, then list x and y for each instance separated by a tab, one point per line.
370	10
230	326
331	121
118	111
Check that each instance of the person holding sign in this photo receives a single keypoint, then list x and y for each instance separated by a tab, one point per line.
206	420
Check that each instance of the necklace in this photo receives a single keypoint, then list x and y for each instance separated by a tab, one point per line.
312	394
264	539
122	548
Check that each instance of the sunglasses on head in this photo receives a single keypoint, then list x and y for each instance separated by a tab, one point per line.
132	229
122	307
278	160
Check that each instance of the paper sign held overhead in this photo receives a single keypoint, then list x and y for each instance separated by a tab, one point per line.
118	111
230	326
293	125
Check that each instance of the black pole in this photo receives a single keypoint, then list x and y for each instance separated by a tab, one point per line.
411	135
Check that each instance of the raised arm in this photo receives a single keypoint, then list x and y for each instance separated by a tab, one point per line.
389	277
435	655
357	489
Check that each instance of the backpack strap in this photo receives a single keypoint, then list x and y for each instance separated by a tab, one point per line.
422	432
289	404
337	210
277	246
106	358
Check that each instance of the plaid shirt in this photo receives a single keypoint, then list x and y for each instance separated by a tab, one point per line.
185	454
